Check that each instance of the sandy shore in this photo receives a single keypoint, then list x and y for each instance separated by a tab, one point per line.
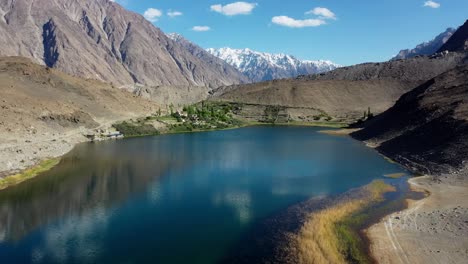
17	155
431	230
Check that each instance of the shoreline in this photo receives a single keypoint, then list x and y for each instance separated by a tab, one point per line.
431	230
56	147
378	234
332	234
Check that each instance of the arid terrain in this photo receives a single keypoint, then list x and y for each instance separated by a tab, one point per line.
431	230
44	112
427	132
70	69
345	93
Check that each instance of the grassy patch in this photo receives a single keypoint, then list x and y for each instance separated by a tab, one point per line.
136	129
328	235
28	174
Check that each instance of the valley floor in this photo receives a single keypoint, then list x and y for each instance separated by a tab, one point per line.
431	230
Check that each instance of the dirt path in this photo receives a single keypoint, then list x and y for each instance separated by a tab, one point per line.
431	230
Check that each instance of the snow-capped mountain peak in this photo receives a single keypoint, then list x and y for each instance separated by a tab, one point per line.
262	66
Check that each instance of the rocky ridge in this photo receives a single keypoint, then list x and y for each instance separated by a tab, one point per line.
99	39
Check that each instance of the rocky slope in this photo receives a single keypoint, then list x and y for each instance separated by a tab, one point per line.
212	60
343	94
44	112
459	40
427	129
426	48
99	39
261	66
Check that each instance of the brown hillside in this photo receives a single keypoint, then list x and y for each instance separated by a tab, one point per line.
43	112
347	92
99	39
427	129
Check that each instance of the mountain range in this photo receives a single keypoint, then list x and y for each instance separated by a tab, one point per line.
426	48
101	40
261	66
459	40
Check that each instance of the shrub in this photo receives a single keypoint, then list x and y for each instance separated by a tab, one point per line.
133	130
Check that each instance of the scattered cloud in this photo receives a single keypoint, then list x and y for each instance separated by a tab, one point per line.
295	23
233	9
152	14
322	12
201	28
431	4
174	13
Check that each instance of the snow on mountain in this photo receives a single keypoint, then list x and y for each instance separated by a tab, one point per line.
227	70
261	66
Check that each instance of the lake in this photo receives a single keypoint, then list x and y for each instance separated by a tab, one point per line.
184	198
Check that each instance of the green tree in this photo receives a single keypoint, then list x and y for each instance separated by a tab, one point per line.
171	107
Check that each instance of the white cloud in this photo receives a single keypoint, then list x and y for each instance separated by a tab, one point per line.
431	4
201	28
294	23
152	14
174	13
322	12
237	8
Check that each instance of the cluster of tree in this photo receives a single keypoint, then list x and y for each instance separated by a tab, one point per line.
208	112
368	115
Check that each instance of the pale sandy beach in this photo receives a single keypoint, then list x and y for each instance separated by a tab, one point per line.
431	230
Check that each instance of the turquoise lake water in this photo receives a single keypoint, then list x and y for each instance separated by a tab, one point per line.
185	198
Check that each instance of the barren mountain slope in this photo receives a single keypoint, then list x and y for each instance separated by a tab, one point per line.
345	93
427	129
205	56
426	48
459	40
101	40
44	112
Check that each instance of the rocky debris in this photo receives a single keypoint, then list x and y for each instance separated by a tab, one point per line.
75	119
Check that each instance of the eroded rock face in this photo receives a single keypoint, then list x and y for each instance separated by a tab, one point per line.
99	39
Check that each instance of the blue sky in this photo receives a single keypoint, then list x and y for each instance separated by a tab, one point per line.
344	31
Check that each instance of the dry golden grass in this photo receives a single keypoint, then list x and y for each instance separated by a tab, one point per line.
318	241
28	174
394	175
340	132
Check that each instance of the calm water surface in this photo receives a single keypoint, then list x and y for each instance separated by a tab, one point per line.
184	198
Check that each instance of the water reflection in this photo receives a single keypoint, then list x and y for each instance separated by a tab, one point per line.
175	198
90	177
